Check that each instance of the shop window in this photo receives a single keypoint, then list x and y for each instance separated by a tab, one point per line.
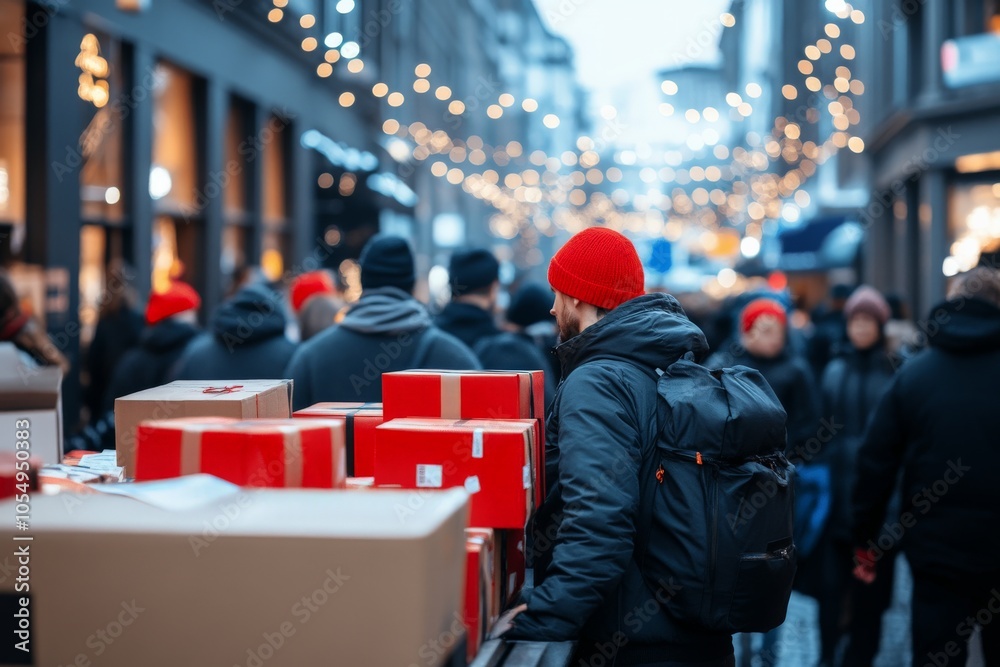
275	246
12	131
973	222
101	177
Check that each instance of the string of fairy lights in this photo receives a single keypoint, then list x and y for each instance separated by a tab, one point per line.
537	193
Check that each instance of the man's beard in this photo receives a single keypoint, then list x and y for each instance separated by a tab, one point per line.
569	327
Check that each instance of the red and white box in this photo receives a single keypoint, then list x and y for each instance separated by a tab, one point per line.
290	453
493	571
489	395
362	419
490	459
511	545
475	607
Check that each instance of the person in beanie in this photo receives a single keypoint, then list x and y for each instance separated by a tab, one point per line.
515	349
171	324
475	286
315	302
936	423
386	330
601	431
851	388
247	340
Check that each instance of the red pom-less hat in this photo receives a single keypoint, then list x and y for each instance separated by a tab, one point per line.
177	298
759	307
599	266
310	284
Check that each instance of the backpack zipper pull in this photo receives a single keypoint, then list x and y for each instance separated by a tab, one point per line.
659	474
697	458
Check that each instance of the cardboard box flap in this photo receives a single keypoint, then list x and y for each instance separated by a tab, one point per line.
26	387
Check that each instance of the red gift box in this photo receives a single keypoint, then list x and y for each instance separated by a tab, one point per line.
18	474
261	453
511	547
476	604
361	420
494	569
472	395
491	459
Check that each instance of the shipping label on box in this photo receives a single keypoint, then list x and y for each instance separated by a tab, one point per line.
489	459
246	399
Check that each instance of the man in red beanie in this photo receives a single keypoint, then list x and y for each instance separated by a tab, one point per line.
315	302
172	322
602	429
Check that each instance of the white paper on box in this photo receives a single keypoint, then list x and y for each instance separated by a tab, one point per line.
477	443
429	476
472	484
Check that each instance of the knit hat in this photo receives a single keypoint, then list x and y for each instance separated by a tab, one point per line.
470	270
530	304
309	284
387	261
870	301
177	298
599	266
759	307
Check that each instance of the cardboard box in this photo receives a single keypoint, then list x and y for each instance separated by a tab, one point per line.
31	394
362	419
245	399
287	453
472	395
490	459
275	577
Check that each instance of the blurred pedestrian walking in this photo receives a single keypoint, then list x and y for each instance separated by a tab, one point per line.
387	329
937	424
27	335
315	302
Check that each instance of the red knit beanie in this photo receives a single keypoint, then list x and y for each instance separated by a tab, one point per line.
309	284
759	307
599	266
177	298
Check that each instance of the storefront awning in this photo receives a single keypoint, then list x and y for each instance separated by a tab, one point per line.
821	244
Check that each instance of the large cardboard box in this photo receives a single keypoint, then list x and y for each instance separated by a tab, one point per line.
245	399
361	420
278	577
30	394
490	459
491	395
289	453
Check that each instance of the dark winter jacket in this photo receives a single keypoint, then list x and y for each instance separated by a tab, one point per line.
247	340
115	335
793	384
510	351
937	422
153	362
386	330
601	433
852	386
466	322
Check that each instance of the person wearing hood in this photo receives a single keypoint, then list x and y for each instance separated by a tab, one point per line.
247	340
936	423
516	349
763	346
851	387
171	324
385	330
475	286
601	429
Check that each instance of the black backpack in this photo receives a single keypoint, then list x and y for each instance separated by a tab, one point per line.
717	501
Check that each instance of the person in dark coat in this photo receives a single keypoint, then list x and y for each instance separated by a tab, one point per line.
601	432
515	349
475	285
937	424
763	346
247	340
530	313
386	330
171	319
118	330
851	387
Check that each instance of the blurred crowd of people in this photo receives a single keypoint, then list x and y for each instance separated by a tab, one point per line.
874	419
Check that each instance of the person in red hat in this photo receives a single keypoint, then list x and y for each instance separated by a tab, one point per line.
603	424
171	323
315	302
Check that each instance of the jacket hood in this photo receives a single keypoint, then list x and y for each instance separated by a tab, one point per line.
966	325
167	335
650	331
386	311
255	313
466	318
